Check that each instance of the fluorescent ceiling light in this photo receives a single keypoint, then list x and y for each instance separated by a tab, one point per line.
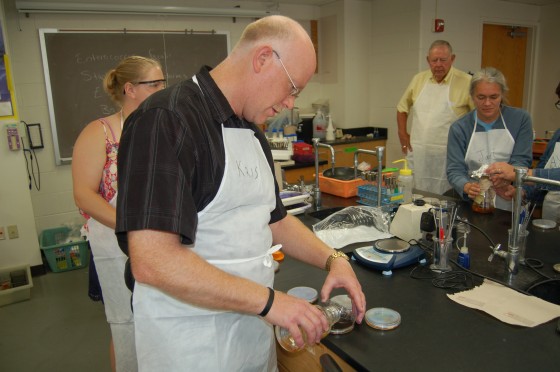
54	7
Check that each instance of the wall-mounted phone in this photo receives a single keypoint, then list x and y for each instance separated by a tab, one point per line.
13	137
34	135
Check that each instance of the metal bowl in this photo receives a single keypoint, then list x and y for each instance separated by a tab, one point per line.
341	173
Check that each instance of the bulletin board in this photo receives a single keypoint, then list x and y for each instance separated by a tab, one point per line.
76	61
7	98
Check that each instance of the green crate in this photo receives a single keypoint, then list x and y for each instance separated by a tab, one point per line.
62	255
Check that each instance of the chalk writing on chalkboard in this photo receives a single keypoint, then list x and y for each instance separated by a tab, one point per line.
75	63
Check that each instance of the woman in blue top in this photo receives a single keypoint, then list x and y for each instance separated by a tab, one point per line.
492	132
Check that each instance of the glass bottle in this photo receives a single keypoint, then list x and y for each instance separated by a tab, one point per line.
332	310
484	201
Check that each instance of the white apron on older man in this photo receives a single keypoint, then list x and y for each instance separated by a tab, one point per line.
551	203
232	234
110	262
432	115
489	147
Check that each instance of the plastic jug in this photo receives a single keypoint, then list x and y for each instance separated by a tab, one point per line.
405	181
319	125
330	130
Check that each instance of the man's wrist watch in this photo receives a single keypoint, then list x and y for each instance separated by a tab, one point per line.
334	256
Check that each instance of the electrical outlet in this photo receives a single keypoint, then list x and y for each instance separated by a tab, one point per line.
13	232
2	234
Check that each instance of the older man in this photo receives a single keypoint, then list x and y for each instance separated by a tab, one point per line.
199	211
434	98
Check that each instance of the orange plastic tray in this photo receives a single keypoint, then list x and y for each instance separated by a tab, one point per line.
344	189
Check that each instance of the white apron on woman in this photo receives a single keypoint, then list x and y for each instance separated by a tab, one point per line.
232	234
551	203
432	115
489	147
110	262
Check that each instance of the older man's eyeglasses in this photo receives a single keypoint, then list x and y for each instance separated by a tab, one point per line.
295	91
160	83
557	104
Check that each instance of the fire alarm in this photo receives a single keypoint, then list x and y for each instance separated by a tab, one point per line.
439	25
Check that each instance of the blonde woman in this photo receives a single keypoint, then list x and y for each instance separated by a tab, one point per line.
94	174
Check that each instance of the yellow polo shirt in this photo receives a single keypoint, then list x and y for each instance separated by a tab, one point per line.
459	96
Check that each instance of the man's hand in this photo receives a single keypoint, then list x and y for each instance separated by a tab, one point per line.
298	316
342	275
404	137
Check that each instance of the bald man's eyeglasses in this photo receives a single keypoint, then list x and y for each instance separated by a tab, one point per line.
295	90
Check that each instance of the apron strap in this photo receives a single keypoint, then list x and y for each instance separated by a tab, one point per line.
266	262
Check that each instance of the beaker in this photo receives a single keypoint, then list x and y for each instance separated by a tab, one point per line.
521	243
442	247
484	201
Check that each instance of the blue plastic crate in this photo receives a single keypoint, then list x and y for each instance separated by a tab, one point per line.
63	255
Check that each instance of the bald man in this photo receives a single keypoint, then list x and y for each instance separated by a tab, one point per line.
199	213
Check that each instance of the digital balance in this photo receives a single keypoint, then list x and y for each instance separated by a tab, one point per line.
389	254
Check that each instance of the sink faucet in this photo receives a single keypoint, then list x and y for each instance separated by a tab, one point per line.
317	191
512	258
379	154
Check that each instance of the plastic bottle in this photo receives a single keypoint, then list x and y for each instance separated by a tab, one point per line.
464	258
319	125
330	130
405	181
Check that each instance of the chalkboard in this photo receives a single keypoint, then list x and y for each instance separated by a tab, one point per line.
75	63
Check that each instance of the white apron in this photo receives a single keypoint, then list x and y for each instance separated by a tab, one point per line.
551	203
233	235
487	148
110	262
432	115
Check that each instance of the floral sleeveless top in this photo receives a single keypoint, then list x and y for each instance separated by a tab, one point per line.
108	184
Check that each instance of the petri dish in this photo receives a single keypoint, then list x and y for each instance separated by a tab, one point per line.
383	318
344	325
544	224
307	293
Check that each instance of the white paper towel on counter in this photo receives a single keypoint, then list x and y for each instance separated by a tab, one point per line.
507	305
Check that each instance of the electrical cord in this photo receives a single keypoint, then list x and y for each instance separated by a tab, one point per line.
31	174
534	264
448	280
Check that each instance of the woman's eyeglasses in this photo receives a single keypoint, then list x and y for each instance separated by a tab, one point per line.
161	83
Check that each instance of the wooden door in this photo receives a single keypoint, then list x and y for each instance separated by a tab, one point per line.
505	47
